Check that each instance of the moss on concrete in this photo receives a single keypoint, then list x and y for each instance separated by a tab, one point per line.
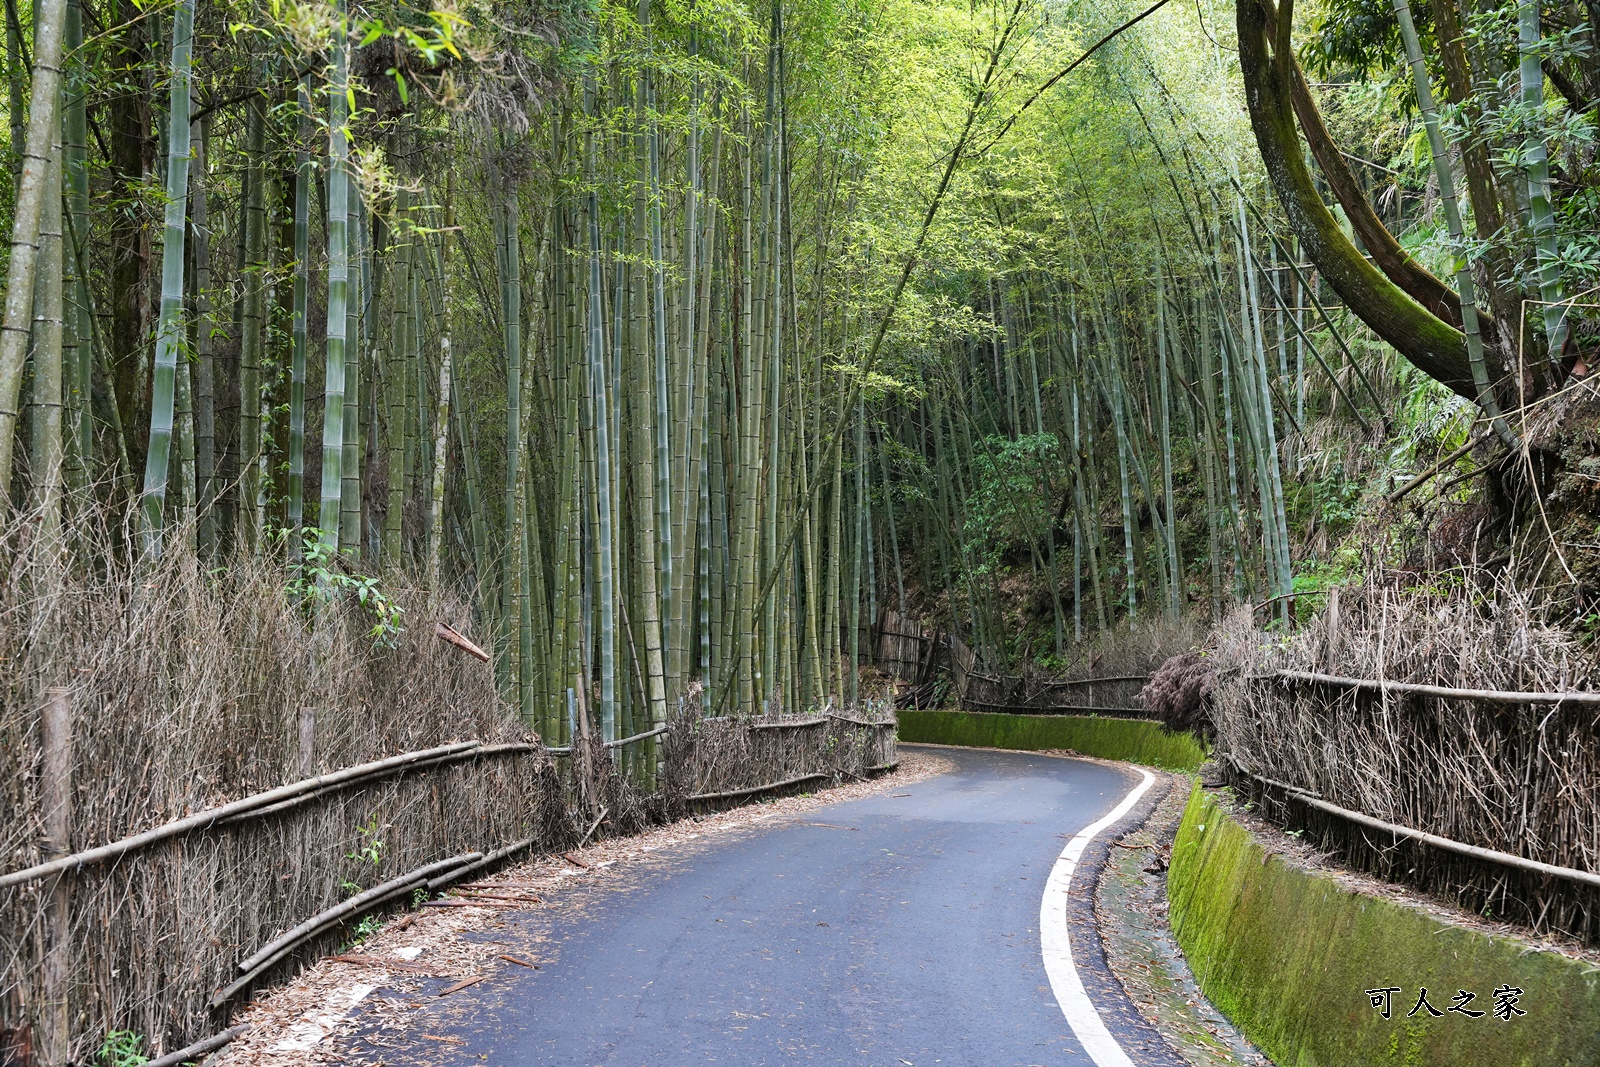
1134	740
1288	954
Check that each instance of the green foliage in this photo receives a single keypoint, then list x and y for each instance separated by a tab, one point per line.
369	925
1015	495
1359	36
371	848
369	851
122	1048
321	577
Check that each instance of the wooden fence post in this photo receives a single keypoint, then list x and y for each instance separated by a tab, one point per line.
308	741
55	795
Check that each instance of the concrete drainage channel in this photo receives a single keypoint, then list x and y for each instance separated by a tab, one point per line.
1298	960
1305	966
1129	740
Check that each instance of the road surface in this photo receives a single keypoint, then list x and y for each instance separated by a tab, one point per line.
900	929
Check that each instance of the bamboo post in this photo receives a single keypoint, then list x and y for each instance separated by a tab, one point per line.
1333	626
584	769
56	802
308	741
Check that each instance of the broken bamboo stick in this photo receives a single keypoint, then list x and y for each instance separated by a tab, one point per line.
199	1049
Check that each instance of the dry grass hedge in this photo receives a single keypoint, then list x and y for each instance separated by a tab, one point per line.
1518	779
187	687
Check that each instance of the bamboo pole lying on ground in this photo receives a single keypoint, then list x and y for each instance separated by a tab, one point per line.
748	790
198	1050
275	950
439	881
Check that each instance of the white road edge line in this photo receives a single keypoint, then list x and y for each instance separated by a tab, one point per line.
1056	943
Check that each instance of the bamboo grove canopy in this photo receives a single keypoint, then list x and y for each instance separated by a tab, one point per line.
681	338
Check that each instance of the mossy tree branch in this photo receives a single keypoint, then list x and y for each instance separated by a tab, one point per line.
1418	282
1432	345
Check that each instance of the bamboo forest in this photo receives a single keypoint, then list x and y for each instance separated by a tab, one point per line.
449	451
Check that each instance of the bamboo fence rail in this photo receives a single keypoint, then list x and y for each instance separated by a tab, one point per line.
1430	740
1489	855
114	894
1482	696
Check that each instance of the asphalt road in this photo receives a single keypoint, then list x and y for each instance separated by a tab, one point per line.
894	930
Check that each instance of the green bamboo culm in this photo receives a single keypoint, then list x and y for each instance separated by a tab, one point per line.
1465	285
169	333
75	175
603	465
252	326
297	357
28	208
46	454
338	284
1537	163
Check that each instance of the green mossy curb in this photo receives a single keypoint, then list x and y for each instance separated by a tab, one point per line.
1133	740
1287	954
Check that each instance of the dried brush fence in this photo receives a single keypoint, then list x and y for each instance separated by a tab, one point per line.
263	834
1435	737
725	760
1036	694
1104	677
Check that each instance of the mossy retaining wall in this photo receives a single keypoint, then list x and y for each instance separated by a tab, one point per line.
1134	740
1288	955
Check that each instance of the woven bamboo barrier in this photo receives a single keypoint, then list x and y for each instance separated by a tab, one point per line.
1433	737
211	785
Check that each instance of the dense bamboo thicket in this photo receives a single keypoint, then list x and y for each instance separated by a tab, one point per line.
664	347
679	342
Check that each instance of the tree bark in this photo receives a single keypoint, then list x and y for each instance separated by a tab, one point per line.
1430	344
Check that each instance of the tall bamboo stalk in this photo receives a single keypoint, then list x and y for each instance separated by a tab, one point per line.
350	479
47	451
1538	188
295	509
332	490
441	421
169	334
1535	157
28	209
252	328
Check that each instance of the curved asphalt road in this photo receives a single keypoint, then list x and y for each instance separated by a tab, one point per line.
898	929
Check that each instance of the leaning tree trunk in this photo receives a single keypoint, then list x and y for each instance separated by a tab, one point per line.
1431	345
